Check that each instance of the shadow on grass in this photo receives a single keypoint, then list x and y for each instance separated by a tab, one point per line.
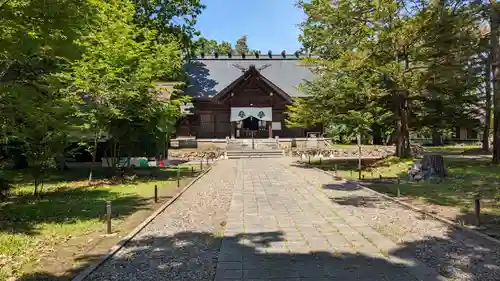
466	178
358	201
347	165
23	214
111	175
244	257
346	186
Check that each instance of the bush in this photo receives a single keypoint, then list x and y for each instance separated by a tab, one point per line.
5	186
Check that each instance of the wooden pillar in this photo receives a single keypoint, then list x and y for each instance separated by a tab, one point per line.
233	129
270	127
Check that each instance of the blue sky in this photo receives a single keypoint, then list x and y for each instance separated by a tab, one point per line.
268	24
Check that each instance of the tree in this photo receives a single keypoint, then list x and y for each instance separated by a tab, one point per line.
205	46
170	18
495	55
241	46
224	47
388	62
37	42
208	47
115	78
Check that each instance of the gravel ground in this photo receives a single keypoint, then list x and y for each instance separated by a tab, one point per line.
183	242
455	254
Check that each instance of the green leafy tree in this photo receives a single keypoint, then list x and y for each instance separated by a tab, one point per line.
224	47
37	42
379	62
241	46
117	76
205	46
170	18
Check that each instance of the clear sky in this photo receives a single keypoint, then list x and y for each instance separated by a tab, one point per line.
268	24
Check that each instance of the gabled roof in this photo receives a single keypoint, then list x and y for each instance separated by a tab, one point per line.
209	75
251	71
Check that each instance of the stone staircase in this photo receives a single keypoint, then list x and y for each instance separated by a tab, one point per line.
243	148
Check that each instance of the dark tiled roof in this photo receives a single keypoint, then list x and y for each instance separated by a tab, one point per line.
209	75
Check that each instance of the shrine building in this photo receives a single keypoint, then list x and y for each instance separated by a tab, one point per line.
243	96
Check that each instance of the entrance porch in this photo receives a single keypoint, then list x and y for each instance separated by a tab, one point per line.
251	122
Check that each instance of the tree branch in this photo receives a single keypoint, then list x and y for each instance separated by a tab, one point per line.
3	2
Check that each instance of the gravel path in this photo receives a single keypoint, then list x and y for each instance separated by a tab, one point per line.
295	223
455	254
183	242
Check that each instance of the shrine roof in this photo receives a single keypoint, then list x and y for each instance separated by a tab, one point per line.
208	75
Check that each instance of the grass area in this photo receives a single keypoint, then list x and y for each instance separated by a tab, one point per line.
69	208
452	149
466	178
371	168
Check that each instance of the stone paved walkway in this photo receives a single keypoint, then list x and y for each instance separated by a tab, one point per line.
281	226
287	222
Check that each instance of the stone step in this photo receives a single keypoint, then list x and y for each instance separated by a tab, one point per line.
235	154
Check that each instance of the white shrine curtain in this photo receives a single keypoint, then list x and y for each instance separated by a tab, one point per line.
261	113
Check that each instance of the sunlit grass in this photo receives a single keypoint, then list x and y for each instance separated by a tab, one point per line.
31	227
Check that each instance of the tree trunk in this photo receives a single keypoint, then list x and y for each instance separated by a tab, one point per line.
94	156
377	134
495	54
437	139
487	109
167	140
402	133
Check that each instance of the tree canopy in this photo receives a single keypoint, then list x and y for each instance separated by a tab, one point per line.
390	64
90	66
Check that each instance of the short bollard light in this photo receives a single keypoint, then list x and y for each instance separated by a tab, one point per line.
477	209
178	176
156	193
108	217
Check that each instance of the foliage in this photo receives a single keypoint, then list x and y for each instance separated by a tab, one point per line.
208	47
36	43
170	18
114	82
241	46
389	63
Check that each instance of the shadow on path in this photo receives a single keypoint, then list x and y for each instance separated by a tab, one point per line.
193	256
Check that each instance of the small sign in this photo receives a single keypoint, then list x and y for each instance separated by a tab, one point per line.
276	126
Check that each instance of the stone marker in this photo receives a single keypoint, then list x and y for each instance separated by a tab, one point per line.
430	166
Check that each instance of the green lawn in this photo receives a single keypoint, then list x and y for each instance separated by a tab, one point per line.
31	227
453	149
466	178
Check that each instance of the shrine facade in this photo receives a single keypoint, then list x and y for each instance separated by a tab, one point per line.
243	96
